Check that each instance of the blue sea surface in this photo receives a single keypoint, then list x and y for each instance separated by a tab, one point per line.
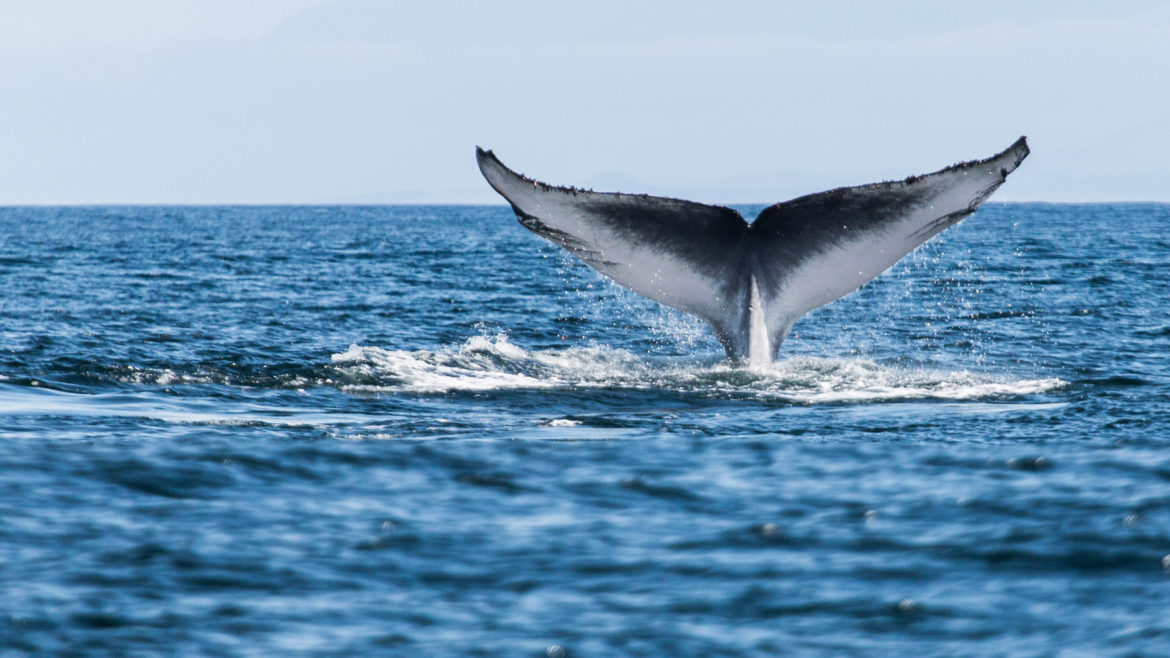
425	431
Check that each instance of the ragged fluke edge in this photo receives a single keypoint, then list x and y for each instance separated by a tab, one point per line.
751	282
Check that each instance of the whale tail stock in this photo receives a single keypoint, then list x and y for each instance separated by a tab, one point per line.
751	282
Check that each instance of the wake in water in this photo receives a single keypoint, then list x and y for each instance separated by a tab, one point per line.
493	363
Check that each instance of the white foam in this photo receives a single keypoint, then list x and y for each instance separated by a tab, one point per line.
494	363
561	422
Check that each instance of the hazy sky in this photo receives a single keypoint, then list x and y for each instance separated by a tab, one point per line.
306	101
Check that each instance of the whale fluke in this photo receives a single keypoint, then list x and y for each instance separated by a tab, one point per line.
751	282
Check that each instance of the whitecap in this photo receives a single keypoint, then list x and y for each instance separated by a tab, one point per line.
561	422
493	363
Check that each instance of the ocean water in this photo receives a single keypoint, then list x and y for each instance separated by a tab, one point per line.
424	431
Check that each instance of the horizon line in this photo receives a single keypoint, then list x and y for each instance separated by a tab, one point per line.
327	204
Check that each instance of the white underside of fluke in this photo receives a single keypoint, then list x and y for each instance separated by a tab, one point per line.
759	346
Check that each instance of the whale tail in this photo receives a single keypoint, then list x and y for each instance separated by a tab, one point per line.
751	282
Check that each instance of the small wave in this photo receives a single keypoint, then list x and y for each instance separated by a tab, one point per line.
1114	381
1155	330
37	400
485	363
263	375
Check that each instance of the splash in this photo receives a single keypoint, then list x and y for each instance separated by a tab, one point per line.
485	363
